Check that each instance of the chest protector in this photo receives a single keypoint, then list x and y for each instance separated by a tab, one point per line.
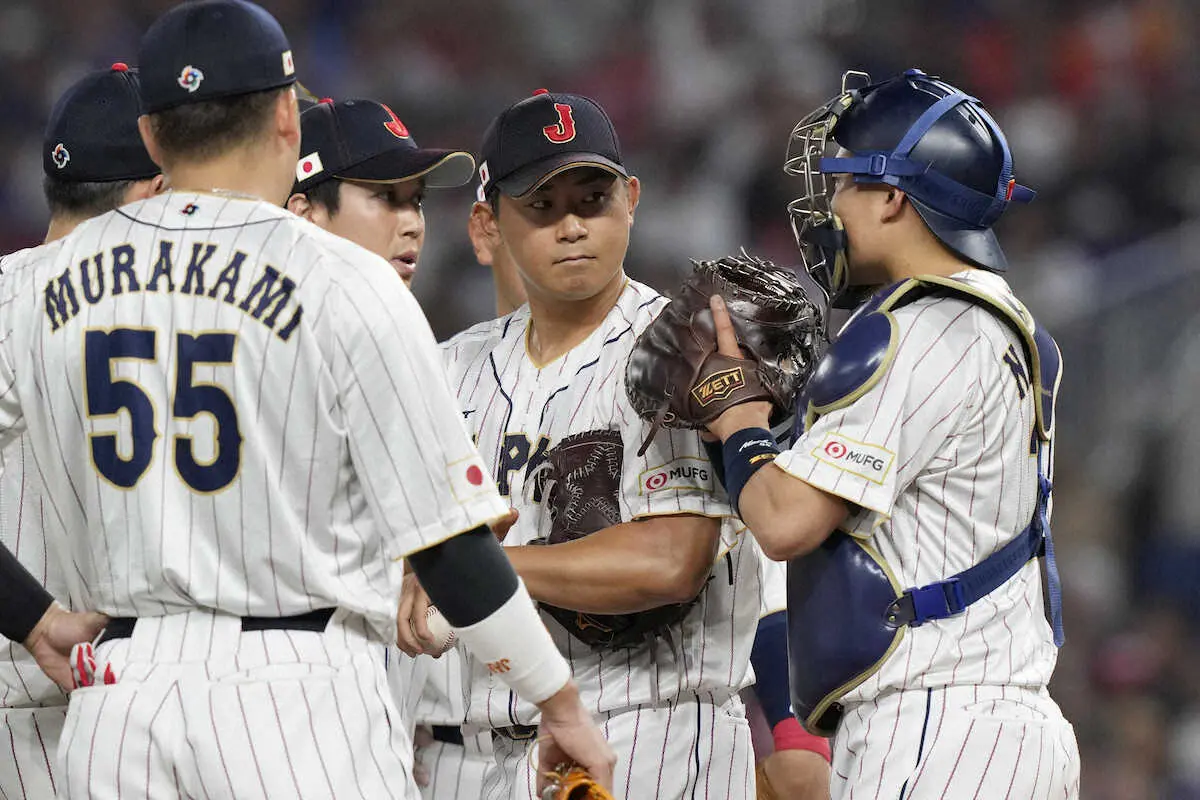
847	613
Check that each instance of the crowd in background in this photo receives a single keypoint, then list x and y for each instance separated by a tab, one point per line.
1101	103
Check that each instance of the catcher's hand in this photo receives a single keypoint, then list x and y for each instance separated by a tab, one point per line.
573	783
677	377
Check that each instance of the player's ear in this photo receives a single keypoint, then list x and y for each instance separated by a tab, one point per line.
633	191
287	119
301	206
481	228
147	132
142	190
487	219
891	205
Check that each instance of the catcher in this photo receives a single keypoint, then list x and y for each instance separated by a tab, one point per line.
619	539
914	503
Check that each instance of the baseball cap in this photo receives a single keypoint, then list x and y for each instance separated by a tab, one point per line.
92	135
543	135
211	49
365	141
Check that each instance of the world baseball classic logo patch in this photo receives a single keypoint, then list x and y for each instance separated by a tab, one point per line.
858	458
718	386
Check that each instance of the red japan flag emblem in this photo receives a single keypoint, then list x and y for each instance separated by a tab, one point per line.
309	166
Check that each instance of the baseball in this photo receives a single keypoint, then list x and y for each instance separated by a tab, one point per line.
443	635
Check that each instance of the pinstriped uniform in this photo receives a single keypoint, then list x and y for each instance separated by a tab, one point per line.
32	707
235	413
953	427
671	707
456	772
430	693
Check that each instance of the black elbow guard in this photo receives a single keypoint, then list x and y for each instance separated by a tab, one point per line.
466	576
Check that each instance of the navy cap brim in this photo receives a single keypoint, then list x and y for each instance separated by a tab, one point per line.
977	245
441	169
532	176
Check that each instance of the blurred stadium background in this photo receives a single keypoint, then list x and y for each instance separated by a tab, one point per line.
1101	101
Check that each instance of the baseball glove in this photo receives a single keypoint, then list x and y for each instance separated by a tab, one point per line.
763	790
574	783
582	475
676	377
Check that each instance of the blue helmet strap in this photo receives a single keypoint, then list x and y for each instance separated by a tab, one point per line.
895	168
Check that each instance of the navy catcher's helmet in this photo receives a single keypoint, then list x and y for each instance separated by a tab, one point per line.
921	135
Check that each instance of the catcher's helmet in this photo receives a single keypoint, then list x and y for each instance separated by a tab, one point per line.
921	135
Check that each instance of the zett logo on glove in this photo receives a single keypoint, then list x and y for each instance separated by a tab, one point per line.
718	386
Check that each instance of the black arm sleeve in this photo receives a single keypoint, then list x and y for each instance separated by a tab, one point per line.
23	600
467	576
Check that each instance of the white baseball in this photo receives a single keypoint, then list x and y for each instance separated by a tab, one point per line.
443	635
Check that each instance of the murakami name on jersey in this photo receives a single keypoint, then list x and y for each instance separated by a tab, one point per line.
111	273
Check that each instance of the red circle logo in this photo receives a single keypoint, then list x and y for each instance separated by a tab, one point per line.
835	449
474	475
656	481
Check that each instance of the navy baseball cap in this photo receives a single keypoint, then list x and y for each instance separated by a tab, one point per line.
543	135
363	140
92	135
210	49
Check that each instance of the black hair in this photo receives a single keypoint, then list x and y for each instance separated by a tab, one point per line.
211	128
327	194
83	199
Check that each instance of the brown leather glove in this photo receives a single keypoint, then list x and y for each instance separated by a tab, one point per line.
676	377
574	783
583	480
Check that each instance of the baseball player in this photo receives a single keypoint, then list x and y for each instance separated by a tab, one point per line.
510	291
212	375
454	762
361	176
93	160
915	501
560	203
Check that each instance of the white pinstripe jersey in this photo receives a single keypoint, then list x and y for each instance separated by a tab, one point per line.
441	701
22	682
949	478
243	412
517	411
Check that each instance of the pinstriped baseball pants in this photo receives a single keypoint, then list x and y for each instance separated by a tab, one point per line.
961	741
202	710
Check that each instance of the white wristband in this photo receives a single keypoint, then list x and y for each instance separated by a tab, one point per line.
518	649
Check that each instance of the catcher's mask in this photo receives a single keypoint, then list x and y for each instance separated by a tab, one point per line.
917	133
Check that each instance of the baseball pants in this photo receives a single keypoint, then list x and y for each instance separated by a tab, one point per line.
201	709
959	741
457	771
28	748
694	747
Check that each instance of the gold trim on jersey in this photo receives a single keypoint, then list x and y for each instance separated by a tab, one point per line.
216	430
115	434
529	329
1023	321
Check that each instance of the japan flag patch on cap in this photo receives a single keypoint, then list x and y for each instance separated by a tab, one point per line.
289	66
309	166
